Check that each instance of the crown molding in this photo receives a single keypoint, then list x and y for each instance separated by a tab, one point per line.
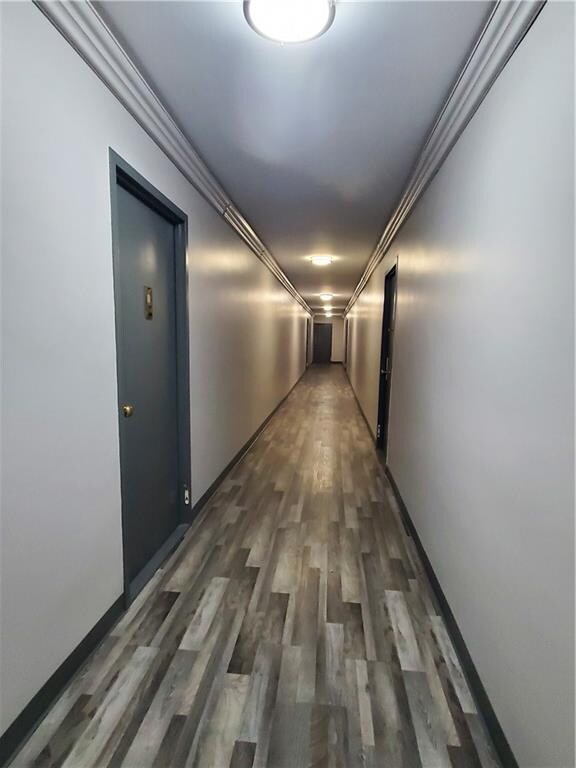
245	231
85	30
505	28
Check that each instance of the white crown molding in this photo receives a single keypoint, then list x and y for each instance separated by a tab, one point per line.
88	34
505	28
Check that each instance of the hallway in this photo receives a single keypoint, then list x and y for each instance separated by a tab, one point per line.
292	627
287	366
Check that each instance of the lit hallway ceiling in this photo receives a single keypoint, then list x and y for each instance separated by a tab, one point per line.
313	141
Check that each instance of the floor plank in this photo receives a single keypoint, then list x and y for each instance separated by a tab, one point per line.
293	627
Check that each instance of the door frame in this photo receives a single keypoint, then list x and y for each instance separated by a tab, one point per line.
124	175
385	387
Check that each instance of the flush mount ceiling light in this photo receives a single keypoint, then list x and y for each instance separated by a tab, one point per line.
326	297
321	261
328	314
289	21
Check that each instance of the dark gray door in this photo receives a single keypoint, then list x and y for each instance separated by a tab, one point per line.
388	322
148	380
322	342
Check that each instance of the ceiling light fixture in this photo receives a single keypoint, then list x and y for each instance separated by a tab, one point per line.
326	297
328	314
289	21
321	261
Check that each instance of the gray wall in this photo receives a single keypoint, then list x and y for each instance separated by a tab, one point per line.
337	339
481	427
311	340
61	543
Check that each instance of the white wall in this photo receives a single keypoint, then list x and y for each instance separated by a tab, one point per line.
60	536
481	426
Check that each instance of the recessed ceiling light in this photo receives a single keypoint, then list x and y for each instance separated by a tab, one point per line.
328	314
326	296
321	261
327	308
289	21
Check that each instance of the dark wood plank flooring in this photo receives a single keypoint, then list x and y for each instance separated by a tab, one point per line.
293	627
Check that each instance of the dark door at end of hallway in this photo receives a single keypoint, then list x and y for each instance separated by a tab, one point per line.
148	382
388	321
322	342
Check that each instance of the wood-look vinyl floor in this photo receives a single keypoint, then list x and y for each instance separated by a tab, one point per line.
293	627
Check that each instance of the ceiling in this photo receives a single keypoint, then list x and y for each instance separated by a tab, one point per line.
315	141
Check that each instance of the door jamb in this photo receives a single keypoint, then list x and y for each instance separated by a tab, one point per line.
123	174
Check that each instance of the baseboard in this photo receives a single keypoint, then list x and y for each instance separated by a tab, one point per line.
479	692
12	739
359	404
203	500
139	582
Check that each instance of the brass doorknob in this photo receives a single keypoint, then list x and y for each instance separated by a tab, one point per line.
127	410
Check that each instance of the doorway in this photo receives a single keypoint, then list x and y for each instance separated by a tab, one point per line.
150	291
307	342
388	321
322	342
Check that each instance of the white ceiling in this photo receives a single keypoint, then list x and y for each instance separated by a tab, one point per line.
313	141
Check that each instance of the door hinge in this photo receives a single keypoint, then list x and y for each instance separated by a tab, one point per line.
379	432
186	496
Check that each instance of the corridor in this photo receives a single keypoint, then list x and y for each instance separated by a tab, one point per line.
293	626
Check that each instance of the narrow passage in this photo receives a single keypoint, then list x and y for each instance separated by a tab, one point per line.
293	627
